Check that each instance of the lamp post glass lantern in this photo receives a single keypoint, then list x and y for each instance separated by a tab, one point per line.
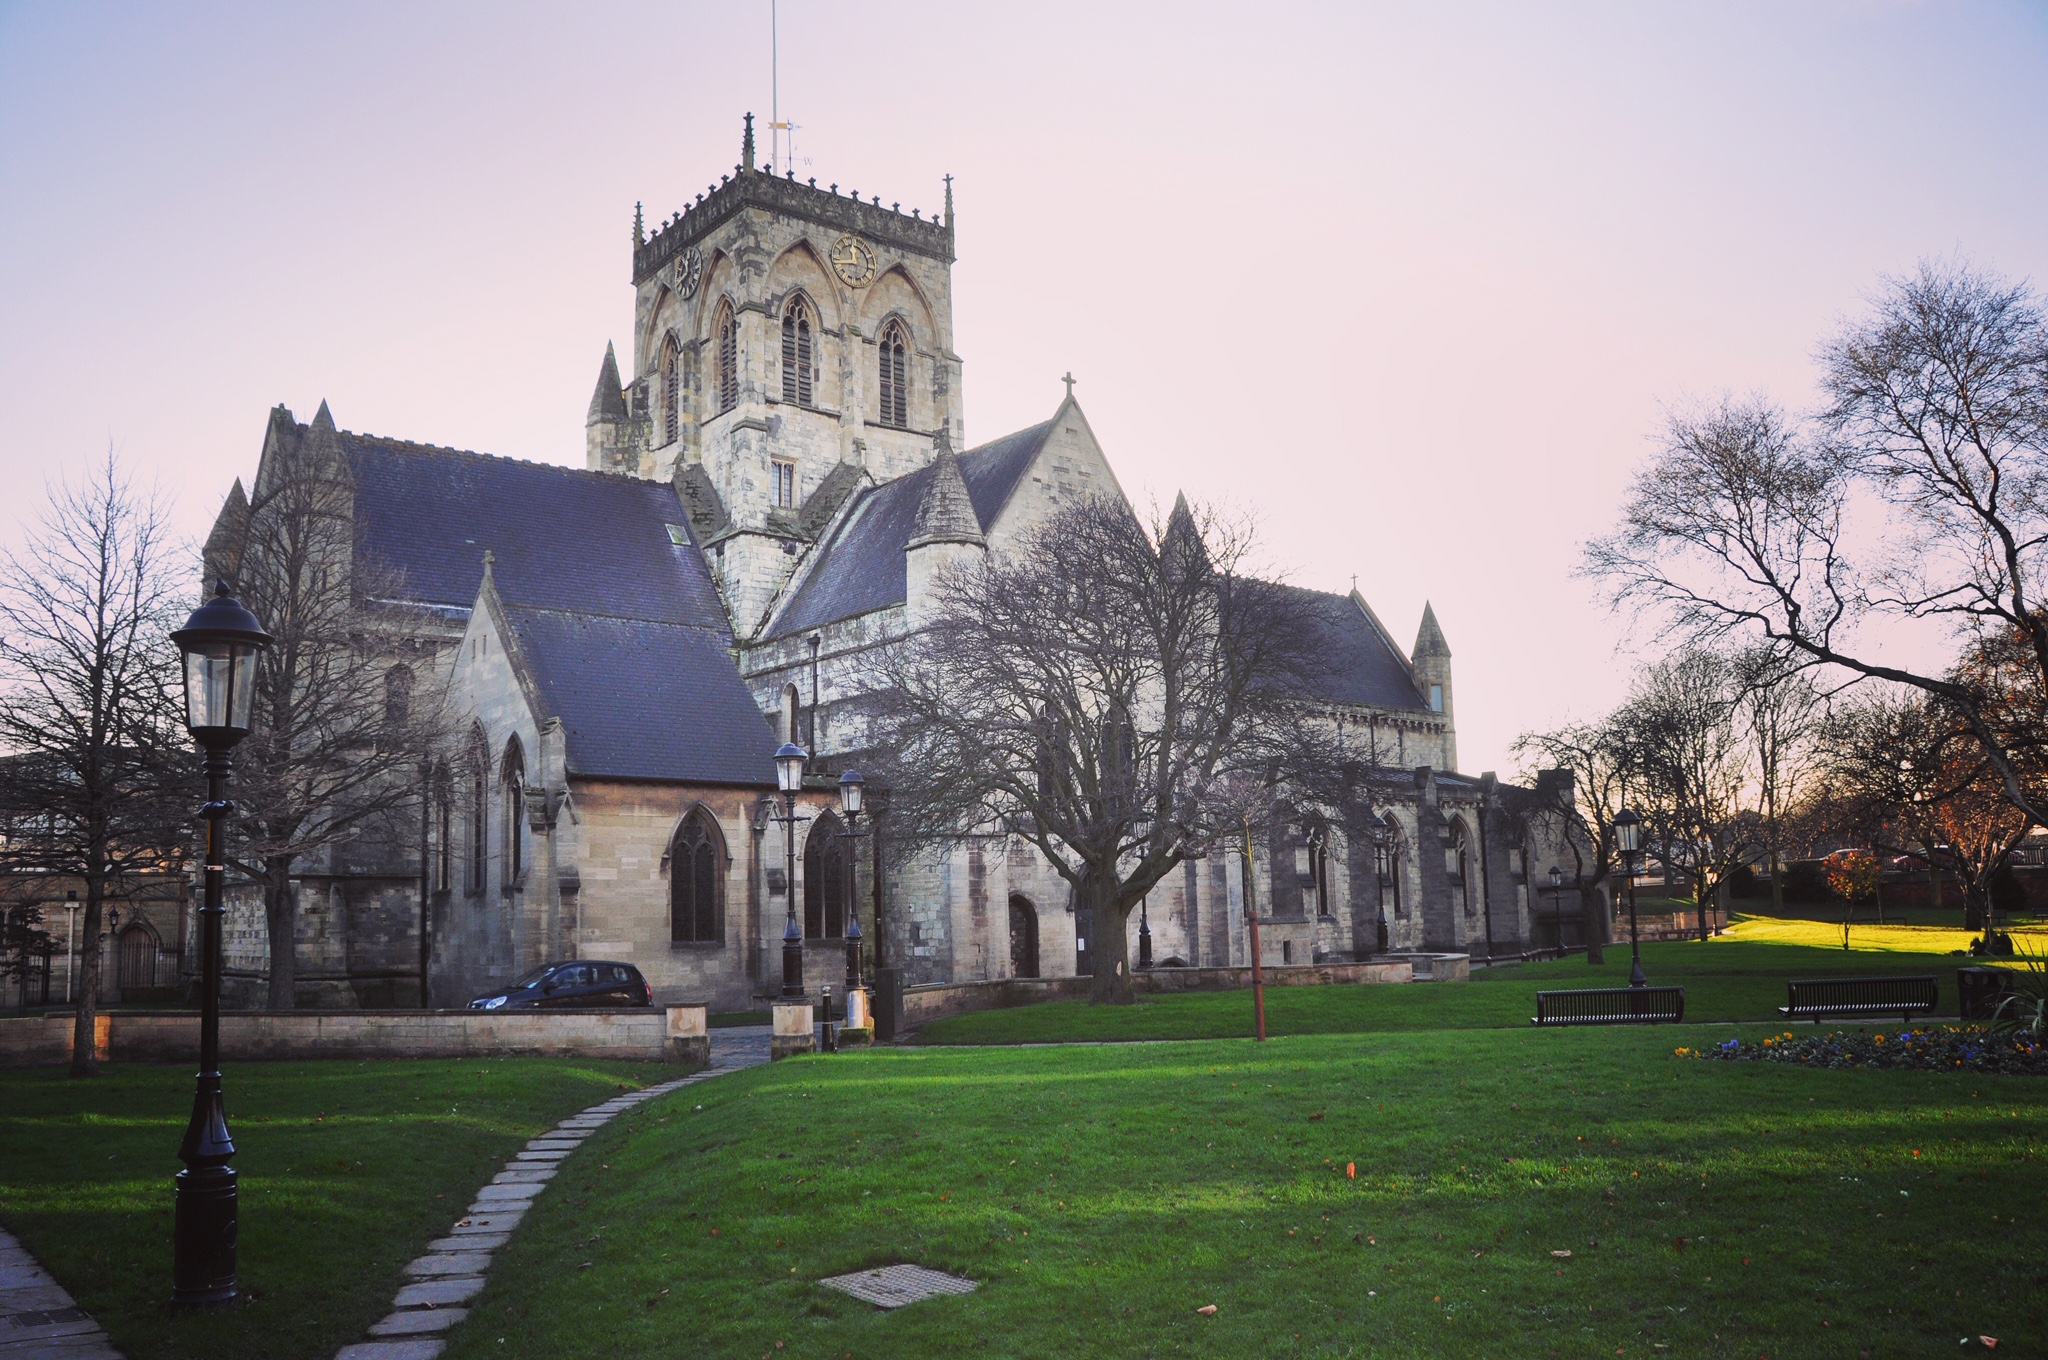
220	643
790	760
1628	835
852	789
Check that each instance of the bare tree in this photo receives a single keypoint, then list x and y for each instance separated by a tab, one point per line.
1690	768
1595	756
1105	693
98	781
1936	415
1781	715
342	735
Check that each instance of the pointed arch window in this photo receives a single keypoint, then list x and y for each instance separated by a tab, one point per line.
515	805
479	808
696	881
728	330
798	362
893	379
1458	863
1391	857
827	866
671	390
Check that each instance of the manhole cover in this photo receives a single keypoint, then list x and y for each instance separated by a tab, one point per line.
894	1286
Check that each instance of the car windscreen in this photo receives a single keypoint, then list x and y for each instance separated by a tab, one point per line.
533	979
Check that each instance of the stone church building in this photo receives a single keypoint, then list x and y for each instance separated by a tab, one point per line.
769	492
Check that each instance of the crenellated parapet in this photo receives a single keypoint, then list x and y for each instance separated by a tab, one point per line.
801	199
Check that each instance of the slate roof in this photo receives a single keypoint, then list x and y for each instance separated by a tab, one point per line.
621	625
861	568
563	538
641	699
1361	667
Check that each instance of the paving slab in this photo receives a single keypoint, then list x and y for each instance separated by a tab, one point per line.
470	1242
419	1321
523	1193
411	1348
449	1263
524	1175
439	1293
42	1321
498	1219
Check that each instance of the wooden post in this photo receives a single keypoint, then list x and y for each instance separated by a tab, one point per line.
1251	920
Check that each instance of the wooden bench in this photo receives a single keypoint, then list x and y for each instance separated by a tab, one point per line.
1872	998
1611	1006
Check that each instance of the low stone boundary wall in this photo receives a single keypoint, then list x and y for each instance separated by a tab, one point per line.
934	1001
657	1034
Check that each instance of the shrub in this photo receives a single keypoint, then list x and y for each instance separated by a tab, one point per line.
1948	1048
1742	881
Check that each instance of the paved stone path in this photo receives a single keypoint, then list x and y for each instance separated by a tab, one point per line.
452	1272
38	1320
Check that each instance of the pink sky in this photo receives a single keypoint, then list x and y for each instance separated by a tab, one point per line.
1410	282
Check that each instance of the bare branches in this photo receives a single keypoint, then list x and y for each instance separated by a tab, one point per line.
1104	693
1936	415
95	772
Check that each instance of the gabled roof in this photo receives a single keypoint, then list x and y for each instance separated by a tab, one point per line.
644	699
1359	665
861	568
589	542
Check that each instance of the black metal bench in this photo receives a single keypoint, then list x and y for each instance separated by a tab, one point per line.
1610	1006
1872	998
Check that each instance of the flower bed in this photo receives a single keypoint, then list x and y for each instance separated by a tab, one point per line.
1947	1048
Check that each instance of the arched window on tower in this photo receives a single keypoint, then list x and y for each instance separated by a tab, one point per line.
696	881
893	379
826	867
671	390
515	808
727	329
479	808
798	364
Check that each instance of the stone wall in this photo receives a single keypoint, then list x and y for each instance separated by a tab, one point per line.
933	1002
649	1035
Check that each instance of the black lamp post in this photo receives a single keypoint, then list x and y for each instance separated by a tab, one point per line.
851	790
1557	906
1628	834
789	778
1141	828
219	642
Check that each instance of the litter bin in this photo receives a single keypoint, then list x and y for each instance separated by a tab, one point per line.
1981	989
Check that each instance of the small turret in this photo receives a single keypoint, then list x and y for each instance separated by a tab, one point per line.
222	556
604	428
1431	664
747	146
945	533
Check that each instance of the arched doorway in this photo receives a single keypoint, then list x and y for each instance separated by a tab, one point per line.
1023	938
135	964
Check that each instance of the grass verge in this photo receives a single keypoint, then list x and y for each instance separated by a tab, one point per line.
347	1170
1504	1193
1730	979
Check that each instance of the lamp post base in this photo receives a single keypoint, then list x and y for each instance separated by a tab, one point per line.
205	1234
792	969
1636	976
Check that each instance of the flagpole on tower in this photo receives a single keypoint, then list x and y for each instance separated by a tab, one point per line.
774	90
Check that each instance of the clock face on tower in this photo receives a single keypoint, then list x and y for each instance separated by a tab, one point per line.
853	260
688	269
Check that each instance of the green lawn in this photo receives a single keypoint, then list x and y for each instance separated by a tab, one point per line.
1729	978
1102	1194
348	1170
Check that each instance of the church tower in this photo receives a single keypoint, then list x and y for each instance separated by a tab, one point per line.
790	342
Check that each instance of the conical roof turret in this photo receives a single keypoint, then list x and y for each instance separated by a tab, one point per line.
1429	639
608	403
946	513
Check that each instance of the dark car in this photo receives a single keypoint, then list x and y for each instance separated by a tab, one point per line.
584	984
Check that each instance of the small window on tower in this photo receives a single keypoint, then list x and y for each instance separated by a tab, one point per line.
1436	698
785	484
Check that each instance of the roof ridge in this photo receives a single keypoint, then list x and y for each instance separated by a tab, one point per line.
415	446
566	613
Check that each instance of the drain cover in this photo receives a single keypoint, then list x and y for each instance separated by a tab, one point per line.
894	1286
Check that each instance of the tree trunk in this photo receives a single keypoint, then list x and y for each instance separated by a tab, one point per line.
1110	949
281	923
1594	919
1777	884
1706	896
1975	907
86	1007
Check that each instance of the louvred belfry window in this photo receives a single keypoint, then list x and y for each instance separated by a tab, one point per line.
893	379
728	359
797	368
671	390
